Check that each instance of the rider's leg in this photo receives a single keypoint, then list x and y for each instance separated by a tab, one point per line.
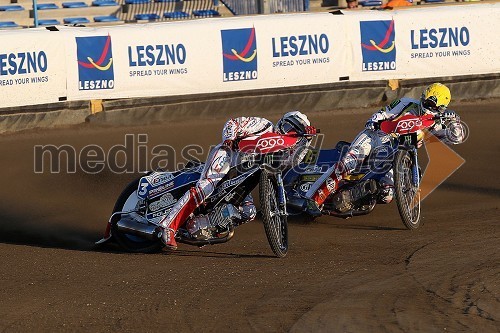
217	166
328	183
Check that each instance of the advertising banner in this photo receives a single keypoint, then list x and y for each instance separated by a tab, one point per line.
32	68
425	42
205	56
462	41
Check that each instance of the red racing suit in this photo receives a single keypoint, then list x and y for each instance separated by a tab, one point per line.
217	166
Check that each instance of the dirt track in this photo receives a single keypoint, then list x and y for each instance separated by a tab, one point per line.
365	274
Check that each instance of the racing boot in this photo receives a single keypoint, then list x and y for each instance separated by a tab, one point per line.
177	216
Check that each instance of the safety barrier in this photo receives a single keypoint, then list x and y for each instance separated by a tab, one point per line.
40	66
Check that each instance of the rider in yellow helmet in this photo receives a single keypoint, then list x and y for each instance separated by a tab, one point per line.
434	100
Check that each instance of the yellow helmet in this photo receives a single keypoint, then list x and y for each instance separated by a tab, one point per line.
436	97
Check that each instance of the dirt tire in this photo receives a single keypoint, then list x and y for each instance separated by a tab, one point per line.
275	225
407	194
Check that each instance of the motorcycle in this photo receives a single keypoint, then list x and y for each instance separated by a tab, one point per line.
360	191
134	223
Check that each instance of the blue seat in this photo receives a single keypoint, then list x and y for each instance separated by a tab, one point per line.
11	8
48	22
370	3
44	6
8	24
76	4
175	15
205	13
136	2
167	0
75	20
106	18
149	17
103	3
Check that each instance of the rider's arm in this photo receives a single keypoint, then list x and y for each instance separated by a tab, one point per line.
391	111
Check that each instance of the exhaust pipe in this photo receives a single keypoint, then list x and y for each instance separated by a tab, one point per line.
131	226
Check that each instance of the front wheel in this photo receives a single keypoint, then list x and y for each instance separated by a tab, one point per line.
275	221
407	193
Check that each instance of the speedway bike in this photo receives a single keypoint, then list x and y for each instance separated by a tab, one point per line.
134	223
361	191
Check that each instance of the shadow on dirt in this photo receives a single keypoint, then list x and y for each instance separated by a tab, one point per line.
334	223
213	254
13	230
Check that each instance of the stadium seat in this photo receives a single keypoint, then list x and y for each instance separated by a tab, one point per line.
44	6
103	3
11	8
167	0
75	20
371	3
76	4
48	22
136	2
8	24
175	15
106	18
148	17
205	13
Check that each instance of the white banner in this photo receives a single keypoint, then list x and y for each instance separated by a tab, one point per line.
425	42
247	53
205	56
32	67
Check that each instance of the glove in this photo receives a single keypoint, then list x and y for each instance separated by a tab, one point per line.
310	130
449	115
372	125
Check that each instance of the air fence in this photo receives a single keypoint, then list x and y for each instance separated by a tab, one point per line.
217	55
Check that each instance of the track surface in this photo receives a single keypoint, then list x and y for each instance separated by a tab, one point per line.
365	274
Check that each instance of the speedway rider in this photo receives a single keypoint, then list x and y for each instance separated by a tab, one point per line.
434	100
219	162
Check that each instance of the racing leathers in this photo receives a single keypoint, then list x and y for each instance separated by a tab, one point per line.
451	132
217	166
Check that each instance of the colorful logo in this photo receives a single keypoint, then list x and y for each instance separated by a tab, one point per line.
95	63
378	45
239	54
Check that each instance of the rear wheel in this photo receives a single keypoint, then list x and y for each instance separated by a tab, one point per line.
275	223
131	243
407	194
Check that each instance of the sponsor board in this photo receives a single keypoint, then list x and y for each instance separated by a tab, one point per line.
378	45
239	54
23	68
440	41
95	63
157	60
300	50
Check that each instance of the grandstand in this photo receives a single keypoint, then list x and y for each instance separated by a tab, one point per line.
105	12
19	13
